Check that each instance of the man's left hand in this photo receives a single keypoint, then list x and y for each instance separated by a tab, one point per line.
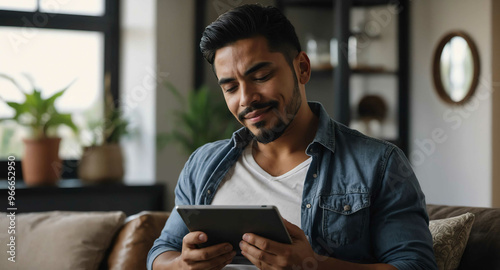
268	254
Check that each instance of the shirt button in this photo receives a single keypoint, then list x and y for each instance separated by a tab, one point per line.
347	207
308	205
315	175
209	191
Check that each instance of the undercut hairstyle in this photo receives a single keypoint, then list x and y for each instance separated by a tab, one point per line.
249	21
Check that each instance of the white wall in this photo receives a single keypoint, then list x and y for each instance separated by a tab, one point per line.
175	50
138	87
157	45
455	167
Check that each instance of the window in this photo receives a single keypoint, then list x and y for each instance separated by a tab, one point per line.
58	42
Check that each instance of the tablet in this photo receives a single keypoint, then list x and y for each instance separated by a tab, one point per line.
229	223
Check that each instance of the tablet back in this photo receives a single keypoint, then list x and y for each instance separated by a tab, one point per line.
229	223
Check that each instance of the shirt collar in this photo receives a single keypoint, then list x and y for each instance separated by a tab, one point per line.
325	135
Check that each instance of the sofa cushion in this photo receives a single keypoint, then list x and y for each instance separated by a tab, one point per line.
449	238
135	240
59	239
482	250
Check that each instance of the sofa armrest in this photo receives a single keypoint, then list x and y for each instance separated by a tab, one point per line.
135	239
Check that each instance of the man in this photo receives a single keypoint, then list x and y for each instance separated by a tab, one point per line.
349	201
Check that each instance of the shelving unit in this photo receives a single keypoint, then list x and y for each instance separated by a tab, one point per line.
363	70
342	73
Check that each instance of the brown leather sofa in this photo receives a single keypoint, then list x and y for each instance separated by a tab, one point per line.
130	247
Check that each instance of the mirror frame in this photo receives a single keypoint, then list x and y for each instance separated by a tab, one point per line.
436	70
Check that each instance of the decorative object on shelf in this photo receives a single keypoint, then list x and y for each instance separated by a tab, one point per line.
318	50
352	56
312	49
103	160
372	111
456	67
101	163
41	164
204	118
334	56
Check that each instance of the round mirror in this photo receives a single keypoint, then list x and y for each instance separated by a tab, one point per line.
456	68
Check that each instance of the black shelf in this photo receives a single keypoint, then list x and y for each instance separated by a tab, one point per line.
73	195
341	12
362	71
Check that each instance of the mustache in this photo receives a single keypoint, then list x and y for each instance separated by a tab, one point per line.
272	104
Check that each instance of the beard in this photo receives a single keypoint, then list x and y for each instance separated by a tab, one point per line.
265	134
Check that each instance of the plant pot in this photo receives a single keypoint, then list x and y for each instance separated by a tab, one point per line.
41	164
101	164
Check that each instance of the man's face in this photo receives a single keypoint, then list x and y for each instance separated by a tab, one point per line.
260	87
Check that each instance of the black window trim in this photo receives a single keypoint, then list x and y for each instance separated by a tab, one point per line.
108	23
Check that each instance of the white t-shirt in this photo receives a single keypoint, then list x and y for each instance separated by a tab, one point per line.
247	183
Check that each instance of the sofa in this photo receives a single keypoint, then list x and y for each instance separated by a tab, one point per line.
125	242
483	246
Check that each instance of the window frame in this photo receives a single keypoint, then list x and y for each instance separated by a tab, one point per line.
108	24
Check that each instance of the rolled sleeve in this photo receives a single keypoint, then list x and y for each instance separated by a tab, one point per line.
400	224
175	229
170	238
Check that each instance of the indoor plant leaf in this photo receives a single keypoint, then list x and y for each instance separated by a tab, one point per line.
36	112
19	109
60	119
50	101
203	118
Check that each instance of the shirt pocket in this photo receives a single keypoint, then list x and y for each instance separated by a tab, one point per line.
344	217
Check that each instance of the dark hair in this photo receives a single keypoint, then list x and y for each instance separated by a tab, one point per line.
248	21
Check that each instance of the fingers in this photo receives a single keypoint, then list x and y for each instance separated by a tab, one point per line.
223	261
212	257
293	230
194	238
214	263
263	252
260	264
252	252
208	253
263	243
262	259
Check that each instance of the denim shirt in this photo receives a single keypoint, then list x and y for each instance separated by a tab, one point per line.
361	200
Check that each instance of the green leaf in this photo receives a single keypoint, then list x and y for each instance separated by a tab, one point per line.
49	102
203	118
35	103
19	108
115	127
36	112
60	119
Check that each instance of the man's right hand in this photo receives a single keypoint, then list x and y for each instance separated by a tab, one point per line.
213	257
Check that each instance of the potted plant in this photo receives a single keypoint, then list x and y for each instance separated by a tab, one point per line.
41	164
102	161
204	118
